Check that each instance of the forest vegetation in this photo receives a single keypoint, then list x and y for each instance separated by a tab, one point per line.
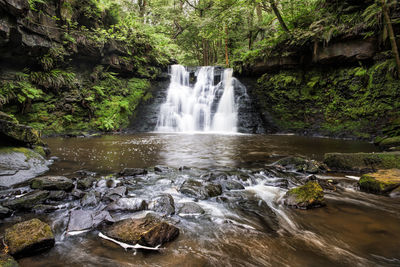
95	60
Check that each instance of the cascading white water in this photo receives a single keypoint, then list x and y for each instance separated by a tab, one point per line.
190	109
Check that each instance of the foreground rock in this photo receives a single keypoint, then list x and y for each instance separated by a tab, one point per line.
362	162
200	190
84	220
301	164
52	183
18	165
307	196
27	201
380	182
29	238
149	231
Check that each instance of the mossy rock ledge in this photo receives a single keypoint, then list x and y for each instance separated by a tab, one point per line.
29	238
362	162
148	231
380	182
310	195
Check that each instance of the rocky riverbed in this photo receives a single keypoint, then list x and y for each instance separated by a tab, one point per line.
183	214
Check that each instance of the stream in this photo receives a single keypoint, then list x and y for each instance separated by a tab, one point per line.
243	227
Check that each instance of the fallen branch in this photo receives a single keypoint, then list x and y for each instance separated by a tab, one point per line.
127	246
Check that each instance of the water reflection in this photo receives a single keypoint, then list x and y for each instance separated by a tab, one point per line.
113	152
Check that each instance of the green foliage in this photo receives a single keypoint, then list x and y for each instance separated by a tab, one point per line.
55	79
351	101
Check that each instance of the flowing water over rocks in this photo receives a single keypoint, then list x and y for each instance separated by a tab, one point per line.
226	201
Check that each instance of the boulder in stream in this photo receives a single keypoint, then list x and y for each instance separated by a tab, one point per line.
27	201
310	195
149	231
52	183
85	183
190	208
301	164
29	238
128	204
200	190
163	204
380	182
4	212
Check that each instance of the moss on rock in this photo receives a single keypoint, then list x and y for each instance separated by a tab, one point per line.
52	183
310	195
7	261
390	142
362	162
380	182
29	238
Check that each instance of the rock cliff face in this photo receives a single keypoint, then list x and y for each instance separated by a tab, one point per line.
64	67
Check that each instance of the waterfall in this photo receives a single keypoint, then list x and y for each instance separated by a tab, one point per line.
198	108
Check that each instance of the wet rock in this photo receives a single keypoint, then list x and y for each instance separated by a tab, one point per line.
190	208
29	238
52	183
85	183
380	182
200	190
116	193
362	162
232	185
27	201
310	195
57	195
395	193
80	220
41	208
213	176
18	165
160	168
4	213
133	172
301	164
90	199
149	231
128	204
163	204
76	193
183	168
7	261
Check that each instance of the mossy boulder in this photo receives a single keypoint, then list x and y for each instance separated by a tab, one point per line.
380	182
29	238
4	212
19	164
7	261
149	231
52	183
310	195
27	201
301	164
19	135
362	162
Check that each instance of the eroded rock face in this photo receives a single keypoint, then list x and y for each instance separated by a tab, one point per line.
148	231
380	182
18	165
52	183
310	195
29	238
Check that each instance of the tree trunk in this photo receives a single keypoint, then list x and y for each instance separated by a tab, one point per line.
226	47
278	15
392	37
